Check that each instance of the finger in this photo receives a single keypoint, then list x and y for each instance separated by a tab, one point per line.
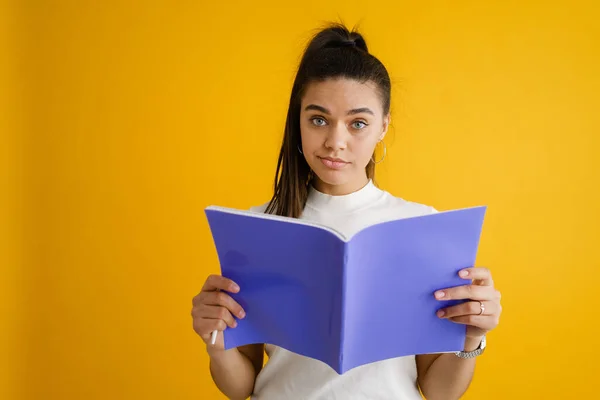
473	292
218	282
215	312
469	308
225	300
481	275
205	327
485	322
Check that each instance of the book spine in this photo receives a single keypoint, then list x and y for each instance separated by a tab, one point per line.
345	253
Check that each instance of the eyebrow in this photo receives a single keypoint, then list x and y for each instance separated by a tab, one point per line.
351	112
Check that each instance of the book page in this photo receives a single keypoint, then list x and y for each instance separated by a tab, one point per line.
290	278
393	269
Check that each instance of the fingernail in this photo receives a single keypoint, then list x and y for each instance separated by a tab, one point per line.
463	273
242	314
441	313
234	323
235	287
440	294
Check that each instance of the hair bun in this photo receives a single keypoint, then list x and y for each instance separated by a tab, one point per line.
359	41
354	40
348	43
337	36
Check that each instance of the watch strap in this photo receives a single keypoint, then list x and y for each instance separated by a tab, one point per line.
471	354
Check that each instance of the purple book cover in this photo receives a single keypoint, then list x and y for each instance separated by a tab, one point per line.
346	301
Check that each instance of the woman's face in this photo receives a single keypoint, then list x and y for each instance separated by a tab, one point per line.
341	121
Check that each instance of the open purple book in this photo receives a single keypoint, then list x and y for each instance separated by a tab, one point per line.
346	301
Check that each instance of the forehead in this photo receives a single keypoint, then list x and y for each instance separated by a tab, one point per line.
340	95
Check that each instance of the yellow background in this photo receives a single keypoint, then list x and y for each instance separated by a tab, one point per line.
130	117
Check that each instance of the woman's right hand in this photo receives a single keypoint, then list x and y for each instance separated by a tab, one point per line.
214	309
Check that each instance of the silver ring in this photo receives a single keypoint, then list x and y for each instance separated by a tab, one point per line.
482	308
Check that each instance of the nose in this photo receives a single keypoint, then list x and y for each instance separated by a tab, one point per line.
337	137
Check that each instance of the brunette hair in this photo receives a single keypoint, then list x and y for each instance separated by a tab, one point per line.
334	52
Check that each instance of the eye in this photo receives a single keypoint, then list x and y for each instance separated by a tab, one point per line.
359	125
318	121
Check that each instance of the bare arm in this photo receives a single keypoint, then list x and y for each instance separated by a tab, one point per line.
446	376
234	371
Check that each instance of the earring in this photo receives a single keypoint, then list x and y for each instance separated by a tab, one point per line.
299	149
384	153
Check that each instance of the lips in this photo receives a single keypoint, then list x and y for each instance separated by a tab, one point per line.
333	163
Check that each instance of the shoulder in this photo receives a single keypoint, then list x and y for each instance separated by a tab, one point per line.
259	208
402	207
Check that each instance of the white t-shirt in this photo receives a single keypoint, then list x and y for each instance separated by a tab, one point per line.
291	376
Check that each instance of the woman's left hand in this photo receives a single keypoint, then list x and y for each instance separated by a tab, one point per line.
482	312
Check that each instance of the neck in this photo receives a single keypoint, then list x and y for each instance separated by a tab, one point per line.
342	189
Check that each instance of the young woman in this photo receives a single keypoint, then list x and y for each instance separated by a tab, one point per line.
339	112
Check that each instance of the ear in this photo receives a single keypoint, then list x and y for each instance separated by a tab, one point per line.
386	124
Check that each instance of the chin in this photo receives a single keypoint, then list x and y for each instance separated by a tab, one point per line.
332	177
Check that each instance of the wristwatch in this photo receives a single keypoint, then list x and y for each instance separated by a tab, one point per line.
470	354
